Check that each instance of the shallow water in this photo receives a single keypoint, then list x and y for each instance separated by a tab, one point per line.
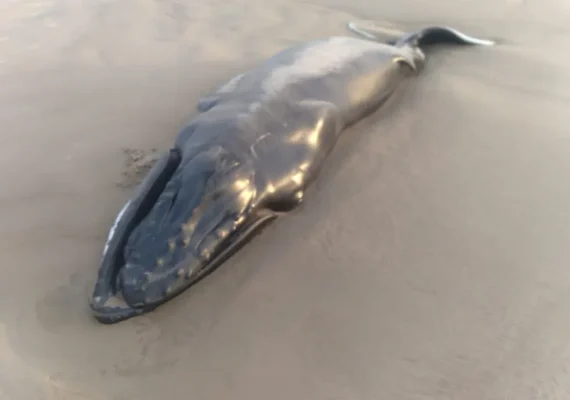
429	262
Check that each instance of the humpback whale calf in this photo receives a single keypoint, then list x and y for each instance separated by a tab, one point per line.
248	156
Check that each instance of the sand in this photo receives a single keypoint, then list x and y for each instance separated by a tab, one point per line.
430	261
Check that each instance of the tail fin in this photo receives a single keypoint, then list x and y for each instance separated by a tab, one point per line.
426	37
439	35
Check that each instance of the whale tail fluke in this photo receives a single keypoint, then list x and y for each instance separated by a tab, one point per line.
432	35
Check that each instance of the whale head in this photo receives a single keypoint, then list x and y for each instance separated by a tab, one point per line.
187	212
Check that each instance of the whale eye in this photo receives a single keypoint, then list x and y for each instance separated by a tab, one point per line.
226	163
222	169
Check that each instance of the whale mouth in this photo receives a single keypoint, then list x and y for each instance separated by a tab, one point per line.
107	302
183	221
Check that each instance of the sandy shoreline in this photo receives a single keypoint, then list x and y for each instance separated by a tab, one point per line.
430	261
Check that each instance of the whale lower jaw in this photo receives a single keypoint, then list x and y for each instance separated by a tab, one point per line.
118	306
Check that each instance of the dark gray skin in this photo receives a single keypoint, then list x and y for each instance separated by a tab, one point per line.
256	145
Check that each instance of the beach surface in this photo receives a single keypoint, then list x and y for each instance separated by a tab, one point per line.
430	261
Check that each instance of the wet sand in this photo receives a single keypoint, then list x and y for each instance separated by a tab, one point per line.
430	261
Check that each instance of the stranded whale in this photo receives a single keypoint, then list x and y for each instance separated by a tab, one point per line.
247	157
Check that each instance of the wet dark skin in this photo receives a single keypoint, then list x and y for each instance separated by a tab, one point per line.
248	157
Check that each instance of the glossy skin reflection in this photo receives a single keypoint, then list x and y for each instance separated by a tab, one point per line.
248	157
